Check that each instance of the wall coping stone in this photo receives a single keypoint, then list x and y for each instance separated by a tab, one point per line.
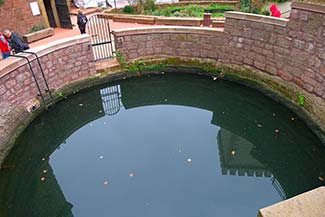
310	203
179	18
308	7
10	64
166	30
257	18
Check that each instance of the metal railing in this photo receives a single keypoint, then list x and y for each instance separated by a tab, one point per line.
38	86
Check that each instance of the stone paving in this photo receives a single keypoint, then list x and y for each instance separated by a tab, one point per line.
60	33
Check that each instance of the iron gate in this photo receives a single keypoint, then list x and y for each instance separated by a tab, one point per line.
101	40
111	98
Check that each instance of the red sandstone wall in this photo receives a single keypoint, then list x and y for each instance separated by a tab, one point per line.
61	66
179	43
293	50
16	15
296	52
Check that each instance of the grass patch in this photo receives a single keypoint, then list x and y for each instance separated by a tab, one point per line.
191	10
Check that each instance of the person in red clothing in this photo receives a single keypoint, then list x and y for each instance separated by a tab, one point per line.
4	46
275	11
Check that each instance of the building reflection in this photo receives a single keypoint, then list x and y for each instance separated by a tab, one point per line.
236	159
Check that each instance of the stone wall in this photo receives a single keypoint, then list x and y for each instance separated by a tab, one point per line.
16	15
294	51
64	62
290	52
170	41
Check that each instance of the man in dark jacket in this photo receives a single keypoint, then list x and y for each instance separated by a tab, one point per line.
15	41
82	21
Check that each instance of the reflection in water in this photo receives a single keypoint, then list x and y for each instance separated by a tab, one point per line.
236	159
111	97
153	125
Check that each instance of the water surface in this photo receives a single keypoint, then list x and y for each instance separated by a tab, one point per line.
164	145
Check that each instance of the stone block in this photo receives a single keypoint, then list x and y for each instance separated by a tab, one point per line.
299	44
308	79
3	89
319	89
285	75
10	83
32	105
315	61
271	69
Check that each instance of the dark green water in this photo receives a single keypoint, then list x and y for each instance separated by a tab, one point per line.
160	146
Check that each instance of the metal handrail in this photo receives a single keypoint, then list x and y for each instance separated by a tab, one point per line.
42	72
33	74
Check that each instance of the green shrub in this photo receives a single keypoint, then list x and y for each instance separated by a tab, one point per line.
245	6
36	28
193	10
128	9
149	5
265	12
2	2
214	8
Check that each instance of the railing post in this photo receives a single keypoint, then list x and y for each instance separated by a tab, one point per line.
207	19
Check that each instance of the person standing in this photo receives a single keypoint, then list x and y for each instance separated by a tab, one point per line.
15	42
4	46
275	11
82	21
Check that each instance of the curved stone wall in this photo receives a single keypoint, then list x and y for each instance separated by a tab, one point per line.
64	62
291	53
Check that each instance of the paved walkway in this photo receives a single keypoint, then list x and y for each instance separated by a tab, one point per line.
60	33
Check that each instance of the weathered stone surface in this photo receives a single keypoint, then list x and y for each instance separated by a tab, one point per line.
284	48
310	204
61	64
